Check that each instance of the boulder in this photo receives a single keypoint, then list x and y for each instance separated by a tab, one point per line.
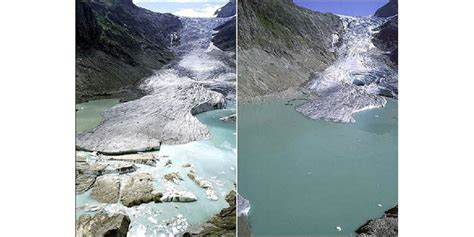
120	168
102	224
106	189
172	177
84	182
139	189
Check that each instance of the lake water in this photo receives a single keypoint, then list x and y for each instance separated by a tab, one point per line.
213	159
305	177
88	115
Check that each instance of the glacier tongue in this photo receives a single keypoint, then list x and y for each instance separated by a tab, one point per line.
358	78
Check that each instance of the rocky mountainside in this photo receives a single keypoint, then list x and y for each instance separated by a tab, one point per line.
227	10
117	44
387	37
280	44
225	36
389	9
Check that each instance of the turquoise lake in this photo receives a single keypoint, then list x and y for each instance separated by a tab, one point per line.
305	177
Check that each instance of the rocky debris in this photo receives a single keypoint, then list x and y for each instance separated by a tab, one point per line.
387	10
84	182
142	124
172	177
120	168
117	44
168	163
386	39
178	196
223	223
92	208
175	226
230	118
227	10
140	158
340	103
90	168
102	224
387	225
281	44
139	189
106	189
205	184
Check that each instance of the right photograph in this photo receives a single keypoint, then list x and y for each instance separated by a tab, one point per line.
317	118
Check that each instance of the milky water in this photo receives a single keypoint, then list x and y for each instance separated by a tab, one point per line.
214	160
88	115
306	177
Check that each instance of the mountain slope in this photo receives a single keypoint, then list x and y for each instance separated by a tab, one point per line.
117	44
280	44
227	10
225	36
389	9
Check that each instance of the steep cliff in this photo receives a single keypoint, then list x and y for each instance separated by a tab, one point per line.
225	36
117	44
280	44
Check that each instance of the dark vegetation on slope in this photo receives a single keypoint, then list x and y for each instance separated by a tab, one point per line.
280	44
117	44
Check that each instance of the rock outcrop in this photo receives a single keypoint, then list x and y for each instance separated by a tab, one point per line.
223	223
227	10
102	224
139	189
280	44
117	44
387	10
386	226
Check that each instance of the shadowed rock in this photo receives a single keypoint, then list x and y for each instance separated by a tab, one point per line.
102	225
387	10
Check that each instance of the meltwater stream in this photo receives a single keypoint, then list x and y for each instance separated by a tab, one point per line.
214	159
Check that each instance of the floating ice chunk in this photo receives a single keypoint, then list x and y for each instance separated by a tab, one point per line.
379	205
338	228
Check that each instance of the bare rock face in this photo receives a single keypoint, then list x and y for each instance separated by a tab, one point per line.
106	189
141	125
387	225
138	190
387	10
102	224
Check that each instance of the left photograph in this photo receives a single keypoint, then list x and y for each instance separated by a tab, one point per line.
155	118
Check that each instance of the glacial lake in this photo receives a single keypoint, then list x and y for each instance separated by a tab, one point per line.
88	114
306	177
213	159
